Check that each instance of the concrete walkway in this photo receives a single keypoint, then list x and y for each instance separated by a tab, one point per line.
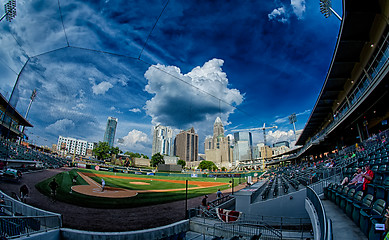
342	226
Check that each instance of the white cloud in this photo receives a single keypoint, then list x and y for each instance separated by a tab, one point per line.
278	14
298	7
79	106
115	110
286	119
180	100
283	13
278	135
134	110
135	141
61	126
101	88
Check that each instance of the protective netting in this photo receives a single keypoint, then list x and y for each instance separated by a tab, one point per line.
67	51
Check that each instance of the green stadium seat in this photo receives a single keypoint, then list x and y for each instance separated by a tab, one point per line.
343	200
367	201
367	215
350	202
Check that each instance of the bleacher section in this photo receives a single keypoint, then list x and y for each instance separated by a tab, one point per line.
365	208
14	151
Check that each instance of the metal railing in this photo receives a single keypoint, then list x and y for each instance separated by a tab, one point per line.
18	226
19	219
247	229
325	228
297	227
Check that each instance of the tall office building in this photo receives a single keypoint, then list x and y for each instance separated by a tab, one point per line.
110	130
186	145
218	148
163	141
218	129
242	147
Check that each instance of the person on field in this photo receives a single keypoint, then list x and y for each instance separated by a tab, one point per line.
102	185
23	193
53	186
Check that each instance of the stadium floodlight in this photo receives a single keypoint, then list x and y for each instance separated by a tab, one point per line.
292	120
326	9
9	10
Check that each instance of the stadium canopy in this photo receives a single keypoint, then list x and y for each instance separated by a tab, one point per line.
9	112
354	36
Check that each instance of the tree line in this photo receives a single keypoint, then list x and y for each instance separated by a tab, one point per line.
103	151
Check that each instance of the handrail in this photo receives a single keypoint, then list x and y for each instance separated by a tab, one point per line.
325	229
22	219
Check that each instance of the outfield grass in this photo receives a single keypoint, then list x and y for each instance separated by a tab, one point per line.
142	199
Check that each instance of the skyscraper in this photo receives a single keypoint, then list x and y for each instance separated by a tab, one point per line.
186	145
110	130
218	148
242	147
218	129
163	141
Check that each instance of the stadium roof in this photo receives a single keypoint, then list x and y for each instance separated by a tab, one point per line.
354	34
12	111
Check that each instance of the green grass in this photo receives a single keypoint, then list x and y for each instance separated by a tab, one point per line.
142	199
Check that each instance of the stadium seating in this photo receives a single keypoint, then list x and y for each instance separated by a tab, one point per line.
347	198
368	214
11	150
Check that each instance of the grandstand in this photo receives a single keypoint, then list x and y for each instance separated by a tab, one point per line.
11	120
303	199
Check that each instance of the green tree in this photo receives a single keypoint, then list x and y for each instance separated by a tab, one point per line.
156	159
207	165
144	156
102	150
181	162
114	150
224	169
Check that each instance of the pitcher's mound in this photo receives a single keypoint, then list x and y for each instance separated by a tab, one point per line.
109	192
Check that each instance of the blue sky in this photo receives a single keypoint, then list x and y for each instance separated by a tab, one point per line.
248	62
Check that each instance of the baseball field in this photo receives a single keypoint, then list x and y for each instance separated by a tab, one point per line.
84	188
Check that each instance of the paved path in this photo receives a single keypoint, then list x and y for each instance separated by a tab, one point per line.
342	226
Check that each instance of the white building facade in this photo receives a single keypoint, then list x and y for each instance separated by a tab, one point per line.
67	145
163	141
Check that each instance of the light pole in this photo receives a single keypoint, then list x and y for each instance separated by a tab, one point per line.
9	11
32	98
326	9
292	120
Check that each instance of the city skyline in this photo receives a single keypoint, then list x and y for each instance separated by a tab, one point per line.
261	64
